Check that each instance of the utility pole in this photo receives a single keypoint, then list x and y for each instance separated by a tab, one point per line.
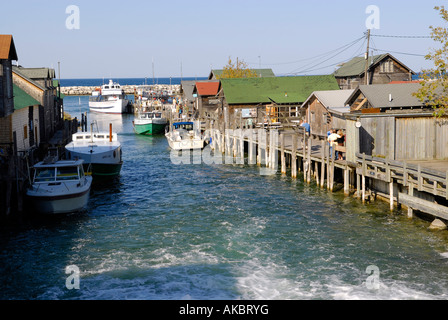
366	75
59	82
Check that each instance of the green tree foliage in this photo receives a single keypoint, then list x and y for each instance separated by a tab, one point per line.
434	90
239	69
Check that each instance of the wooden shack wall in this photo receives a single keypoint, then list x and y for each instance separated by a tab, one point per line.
351	140
377	137
400	138
399	74
317	116
421	138
338	121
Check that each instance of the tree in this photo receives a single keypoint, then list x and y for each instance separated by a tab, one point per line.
238	70
434	90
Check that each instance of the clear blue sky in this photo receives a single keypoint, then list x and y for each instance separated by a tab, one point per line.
121	39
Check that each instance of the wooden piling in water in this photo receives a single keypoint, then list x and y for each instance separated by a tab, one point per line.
322	167
309	164
346	180
282	153
294	156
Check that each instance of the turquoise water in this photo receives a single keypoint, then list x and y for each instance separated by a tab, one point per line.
166	231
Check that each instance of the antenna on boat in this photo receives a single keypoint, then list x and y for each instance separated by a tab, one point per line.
153	70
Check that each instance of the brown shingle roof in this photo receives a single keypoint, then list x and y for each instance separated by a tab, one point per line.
7	47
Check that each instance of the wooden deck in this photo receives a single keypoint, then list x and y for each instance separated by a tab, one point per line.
310	154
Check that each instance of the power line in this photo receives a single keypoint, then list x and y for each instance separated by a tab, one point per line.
345	48
306	59
339	51
408	37
404	53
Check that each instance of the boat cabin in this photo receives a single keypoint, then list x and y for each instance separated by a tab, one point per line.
58	172
151	115
111	91
93	137
189	126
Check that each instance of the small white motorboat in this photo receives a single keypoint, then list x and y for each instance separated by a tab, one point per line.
185	135
101	151
59	187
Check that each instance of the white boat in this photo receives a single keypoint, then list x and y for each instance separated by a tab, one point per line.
59	187
185	135
99	150
110	98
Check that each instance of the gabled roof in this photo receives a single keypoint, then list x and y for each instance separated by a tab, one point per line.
7	47
22	99
262	73
379	95
36	73
275	89
16	71
207	88
187	87
332	99
356	66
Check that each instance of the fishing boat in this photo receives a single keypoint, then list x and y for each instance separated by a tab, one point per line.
101	151
59	187
110	98
185	135
149	123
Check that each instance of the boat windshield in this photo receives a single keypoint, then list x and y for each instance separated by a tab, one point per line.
185	126
67	173
158	115
58	174
44	174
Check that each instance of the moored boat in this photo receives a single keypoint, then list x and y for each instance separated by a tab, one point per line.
149	123
59	187
110	98
101	151
185	135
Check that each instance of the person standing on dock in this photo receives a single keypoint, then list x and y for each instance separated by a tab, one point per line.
307	127
332	140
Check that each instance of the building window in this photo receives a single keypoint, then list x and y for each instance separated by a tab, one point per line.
387	66
25	132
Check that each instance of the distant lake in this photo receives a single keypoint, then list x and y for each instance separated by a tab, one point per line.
125	81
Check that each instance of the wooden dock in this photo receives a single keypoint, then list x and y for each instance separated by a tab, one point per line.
416	185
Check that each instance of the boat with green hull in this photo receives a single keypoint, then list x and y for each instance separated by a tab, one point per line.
150	123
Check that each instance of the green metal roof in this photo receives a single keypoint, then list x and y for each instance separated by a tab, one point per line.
259	72
280	90
357	65
23	99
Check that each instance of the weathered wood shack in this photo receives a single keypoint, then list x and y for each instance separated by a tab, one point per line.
381	69
186	93
39	84
326	110
272	99
392	124
7	55
206	103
